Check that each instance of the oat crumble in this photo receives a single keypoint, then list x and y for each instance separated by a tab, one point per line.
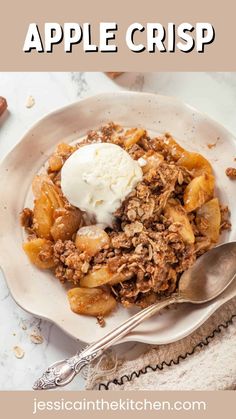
231	172
147	250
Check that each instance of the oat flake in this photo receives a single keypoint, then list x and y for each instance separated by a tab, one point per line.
18	352
37	339
30	102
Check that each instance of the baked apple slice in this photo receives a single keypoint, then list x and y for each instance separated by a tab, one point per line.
177	214
40	253
198	191
43	216
38	180
91	301
66	224
195	163
132	136
44	207
57	159
210	213
103	276
91	239
55	163
172	147
53	194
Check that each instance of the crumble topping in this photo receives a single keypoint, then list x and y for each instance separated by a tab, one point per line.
26	218
146	247
231	172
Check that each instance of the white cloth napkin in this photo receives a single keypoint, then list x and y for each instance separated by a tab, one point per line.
205	360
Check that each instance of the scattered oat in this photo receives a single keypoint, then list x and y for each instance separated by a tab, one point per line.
13	334
35	338
101	321
30	102
231	172
210	146
18	352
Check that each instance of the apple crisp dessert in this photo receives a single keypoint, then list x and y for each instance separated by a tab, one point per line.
169	219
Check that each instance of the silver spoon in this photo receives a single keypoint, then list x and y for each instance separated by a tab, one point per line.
205	280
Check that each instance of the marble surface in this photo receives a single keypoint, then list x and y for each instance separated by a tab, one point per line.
213	93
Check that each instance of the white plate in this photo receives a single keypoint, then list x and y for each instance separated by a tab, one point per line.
39	292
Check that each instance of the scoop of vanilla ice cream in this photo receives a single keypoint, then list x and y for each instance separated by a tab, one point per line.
97	178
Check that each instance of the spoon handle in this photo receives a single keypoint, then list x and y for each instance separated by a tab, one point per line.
62	372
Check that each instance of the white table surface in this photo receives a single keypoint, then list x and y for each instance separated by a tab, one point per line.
213	93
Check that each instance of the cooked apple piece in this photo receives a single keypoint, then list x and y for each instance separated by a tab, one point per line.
40	253
171	145
43	216
66	224
177	214
209	217
55	163
195	163
37	184
91	301
132	136
198	191
64	149
91	239
103	276
44	207
153	160
54	195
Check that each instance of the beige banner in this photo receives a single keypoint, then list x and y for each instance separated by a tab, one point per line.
16	17
165	405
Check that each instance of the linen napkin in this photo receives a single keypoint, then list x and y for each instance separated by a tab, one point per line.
204	360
